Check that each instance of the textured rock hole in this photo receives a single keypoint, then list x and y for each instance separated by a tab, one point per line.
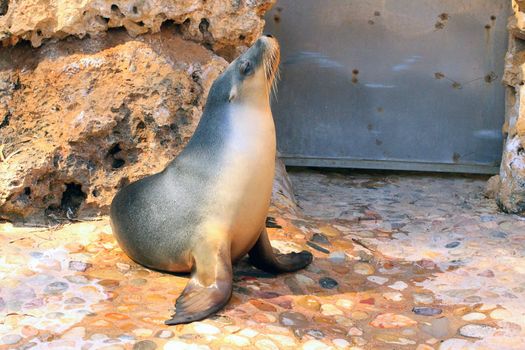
204	25
242	37
114	149
27	191
141	125
72	198
135	10
4	6
5	121
140	23
95	193
521	151
116	162
102	20
123	182
39	32
116	10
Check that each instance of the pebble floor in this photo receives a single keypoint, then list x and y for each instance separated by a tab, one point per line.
401	261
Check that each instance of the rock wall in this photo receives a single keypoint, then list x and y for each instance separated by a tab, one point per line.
223	25
80	118
509	186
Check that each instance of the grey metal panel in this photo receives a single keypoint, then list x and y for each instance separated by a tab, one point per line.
379	83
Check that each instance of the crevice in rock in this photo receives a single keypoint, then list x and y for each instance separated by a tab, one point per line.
116	10
5	121
4	6
72	199
116	161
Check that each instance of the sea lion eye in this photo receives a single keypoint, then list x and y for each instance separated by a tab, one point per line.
246	68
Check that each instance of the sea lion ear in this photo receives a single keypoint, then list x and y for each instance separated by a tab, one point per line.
233	93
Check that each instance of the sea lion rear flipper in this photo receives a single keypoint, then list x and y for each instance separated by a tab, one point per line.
209	288
263	257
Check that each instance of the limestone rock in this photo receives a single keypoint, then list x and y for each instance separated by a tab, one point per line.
223	25
509	187
81	118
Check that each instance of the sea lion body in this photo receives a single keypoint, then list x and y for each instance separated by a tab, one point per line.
207	209
227	188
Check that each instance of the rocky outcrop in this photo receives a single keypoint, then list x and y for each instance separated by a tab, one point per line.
223	25
509	185
79	119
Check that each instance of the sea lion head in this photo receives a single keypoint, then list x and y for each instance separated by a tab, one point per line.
251	78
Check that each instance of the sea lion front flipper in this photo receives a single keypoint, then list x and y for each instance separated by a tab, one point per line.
263	257
209	288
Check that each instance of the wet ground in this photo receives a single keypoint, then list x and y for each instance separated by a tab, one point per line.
401	262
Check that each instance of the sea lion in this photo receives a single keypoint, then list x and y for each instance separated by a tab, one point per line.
207	209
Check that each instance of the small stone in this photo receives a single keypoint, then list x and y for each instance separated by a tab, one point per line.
364	269
426	311
452	245
123	267
439	327
164	334
474	316
248	332
359	341
359	315
341	343
74	300
236	340
486	273
145	345
309	303
266	344
337	257
330	310
138	281
79	266
399	285
328	283
318	247
345	303
315	345
10	339
420	298
377	279
424	347
499	234
284	340
455	344
393	339
261	305
393	296
77	279
354	331
293	319
142	332
500	314
320	238
472	299
56	288
55	315
204	328
390	320
304	280
232	329
479	331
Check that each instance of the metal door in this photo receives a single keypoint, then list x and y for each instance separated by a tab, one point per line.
391	84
